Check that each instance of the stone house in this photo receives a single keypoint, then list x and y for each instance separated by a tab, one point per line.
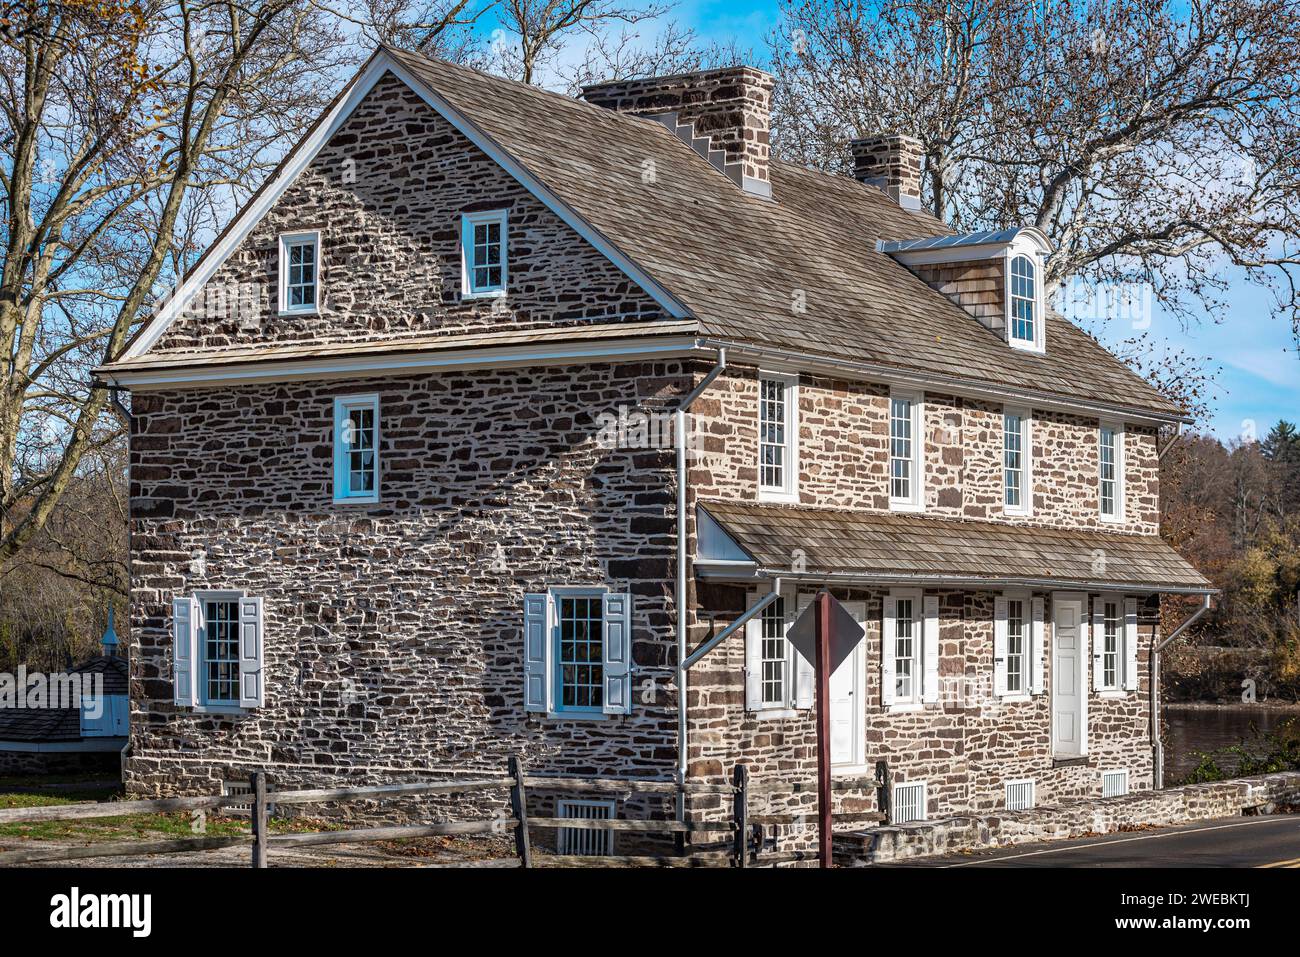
492	407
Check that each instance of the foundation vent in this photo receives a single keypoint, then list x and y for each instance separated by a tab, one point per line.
1020	795
1114	783
586	842
909	802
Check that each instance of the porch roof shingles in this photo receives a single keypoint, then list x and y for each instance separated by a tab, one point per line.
890	544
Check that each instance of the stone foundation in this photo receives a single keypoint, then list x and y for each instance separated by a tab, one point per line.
1182	805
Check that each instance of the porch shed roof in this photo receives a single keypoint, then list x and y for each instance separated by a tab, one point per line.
797	542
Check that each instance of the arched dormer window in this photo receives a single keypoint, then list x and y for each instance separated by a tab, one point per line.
1024	317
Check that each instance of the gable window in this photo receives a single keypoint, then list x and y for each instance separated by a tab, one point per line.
577	652
777	437
356	448
483	253
299	272
1110	488
906	446
1017	494
217	650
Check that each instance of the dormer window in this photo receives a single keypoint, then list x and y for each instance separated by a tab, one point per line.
1024	301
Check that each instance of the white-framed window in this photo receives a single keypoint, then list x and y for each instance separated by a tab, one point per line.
908	802
905	648
1114	783
1114	645
1021	795
484	253
1110	473
587	842
778	679
1017	646
1024	317
1017	453
778	436
909	649
906	452
300	272
356	448
578	652
774	657
217	650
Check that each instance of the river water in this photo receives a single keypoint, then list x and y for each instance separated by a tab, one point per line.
1191	730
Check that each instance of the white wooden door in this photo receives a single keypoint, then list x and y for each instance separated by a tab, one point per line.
849	701
1069	679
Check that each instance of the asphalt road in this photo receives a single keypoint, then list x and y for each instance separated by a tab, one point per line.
1264	841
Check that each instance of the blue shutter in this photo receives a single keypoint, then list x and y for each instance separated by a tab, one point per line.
251	683
537	685
618	654
185	620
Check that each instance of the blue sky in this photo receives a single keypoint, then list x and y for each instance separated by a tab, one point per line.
1260	377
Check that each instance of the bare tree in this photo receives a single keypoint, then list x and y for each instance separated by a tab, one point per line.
1154	141
534	31
626	54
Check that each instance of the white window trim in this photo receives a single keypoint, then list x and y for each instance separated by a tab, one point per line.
202	706
1025	693
287	240
554	709
1030	249
467	223
342	493
790	709
916	501
917	596
789	490
1120	490
1117	690
1026	507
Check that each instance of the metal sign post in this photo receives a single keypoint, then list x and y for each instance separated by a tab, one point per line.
825	634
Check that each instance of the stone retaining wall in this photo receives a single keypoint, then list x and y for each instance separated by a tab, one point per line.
1182	805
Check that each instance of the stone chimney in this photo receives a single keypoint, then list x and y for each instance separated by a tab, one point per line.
724	115
892	164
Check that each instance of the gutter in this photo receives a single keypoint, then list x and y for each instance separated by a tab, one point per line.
679	440
959	581
952	385
1157	746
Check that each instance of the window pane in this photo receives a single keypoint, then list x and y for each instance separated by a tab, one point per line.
773	654
1110	646
901	449
904	650
1023	299
1013	460
1107	453
581	652
221	652
773	441
1015	645
486	257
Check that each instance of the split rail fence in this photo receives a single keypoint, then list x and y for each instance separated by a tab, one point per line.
742	840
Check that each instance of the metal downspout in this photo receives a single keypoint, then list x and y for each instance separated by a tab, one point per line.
1156	744
679	440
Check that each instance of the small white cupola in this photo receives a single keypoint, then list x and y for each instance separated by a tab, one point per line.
997	277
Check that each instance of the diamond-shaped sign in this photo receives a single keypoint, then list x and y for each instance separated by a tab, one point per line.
845	634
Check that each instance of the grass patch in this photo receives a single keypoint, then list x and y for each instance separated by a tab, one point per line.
132	827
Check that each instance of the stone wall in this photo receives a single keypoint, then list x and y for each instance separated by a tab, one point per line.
393	632
387	193
1181	805
844	455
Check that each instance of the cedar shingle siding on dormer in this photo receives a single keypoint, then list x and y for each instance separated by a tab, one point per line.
978	287
387	193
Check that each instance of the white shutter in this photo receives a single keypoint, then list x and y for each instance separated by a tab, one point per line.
999	646
1130	644
804	671
537	684
1039	648
753	657
251	684
930	665
888	629
1098	643
185	623
618	654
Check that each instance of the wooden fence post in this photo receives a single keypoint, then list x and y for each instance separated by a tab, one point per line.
257	784
740	814
519	807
